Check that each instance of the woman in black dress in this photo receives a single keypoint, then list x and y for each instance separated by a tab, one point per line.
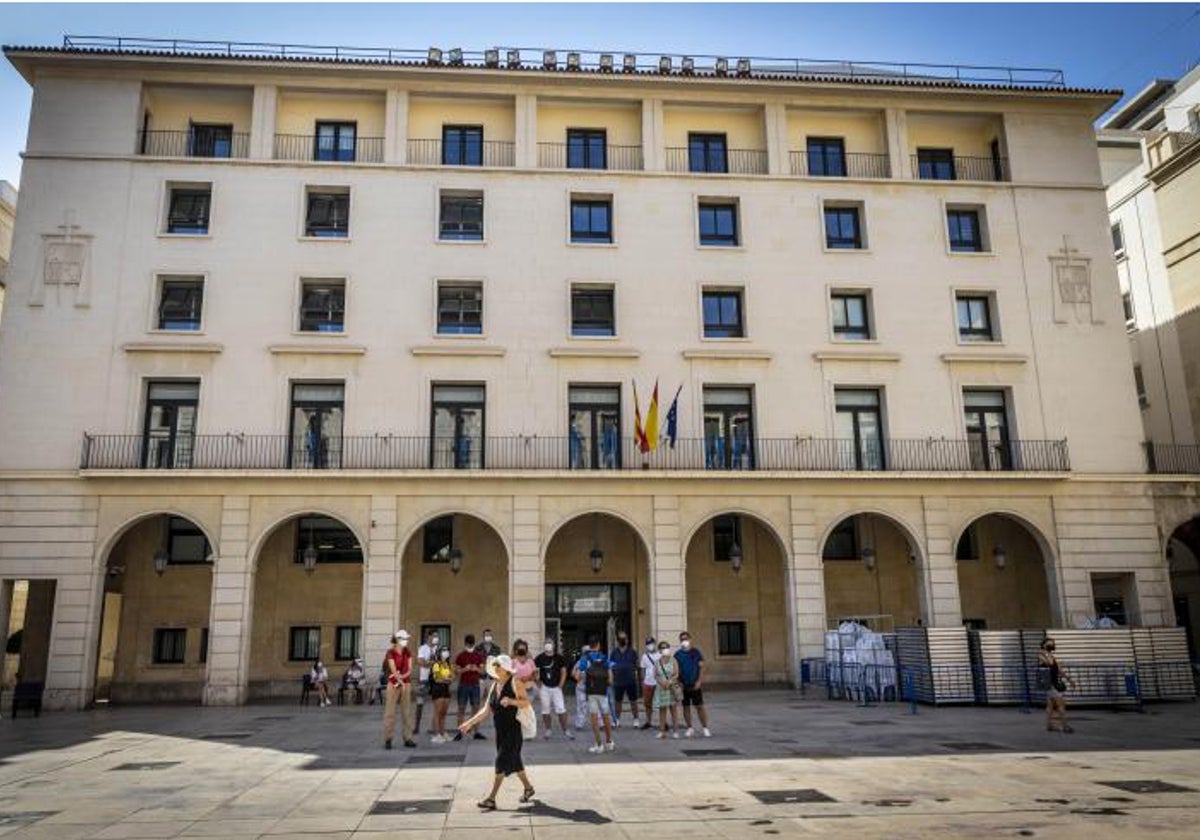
506	696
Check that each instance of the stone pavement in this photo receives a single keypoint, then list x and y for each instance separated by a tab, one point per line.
779	764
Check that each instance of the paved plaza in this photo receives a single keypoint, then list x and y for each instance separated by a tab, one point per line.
779	764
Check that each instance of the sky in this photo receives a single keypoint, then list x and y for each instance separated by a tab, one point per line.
1121	45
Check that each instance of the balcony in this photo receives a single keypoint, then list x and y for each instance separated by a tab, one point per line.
194	144
847	165
312	147
1172	458
732	162
613	159
535	453
484	153
958	168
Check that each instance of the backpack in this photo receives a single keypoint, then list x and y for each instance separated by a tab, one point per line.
597	676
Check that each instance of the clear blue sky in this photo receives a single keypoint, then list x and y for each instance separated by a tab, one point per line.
1096	44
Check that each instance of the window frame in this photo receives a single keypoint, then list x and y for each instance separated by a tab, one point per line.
195	188
435	404
744	628
337	153
215	133
585	289
1117	231
720	293
178	526
726	412
464	142
717	240
461	233
856	411
735	535
304	284
314	233
1129	311
355	633
179	459
596	451
825	144
933	159
970	535
579	237
978	415
327	460
158	643
847	333
858	243
309	630
161	281
587	135
968	335
708	139
959	245
1139	386
848	525
450	284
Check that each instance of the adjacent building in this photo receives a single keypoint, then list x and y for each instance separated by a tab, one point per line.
8	215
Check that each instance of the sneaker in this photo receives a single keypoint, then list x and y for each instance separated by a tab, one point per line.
690	733
596	749
546	735
410	744
387	745
675	735
705	732
438	739
610	746
570	735
616	724
660	735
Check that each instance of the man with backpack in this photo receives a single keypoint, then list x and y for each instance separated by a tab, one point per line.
594	672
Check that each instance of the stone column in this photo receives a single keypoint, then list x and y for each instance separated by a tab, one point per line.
653	143
526	574
381	580
775	130
229	623
526	130
806	579
262	122
940	601
395	129
897	143
668	585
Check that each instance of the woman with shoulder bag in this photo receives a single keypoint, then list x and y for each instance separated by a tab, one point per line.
505	699
1056	679
667	691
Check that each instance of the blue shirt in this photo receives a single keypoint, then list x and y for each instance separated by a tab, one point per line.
624	665
689	665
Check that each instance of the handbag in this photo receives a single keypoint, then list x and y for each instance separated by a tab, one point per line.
676	688
526	717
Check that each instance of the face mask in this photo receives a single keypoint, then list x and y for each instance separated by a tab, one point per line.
403	643
650	648
686	643
622	642
487	640
522	651
445	654
548	648
664	651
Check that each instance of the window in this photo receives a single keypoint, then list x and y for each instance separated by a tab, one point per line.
461	217
1127	309
842	542
591	220
1118	240
727	532
850	316
707	153
462	145
968	544
842	228
335	141
827	157
347	643
965	232
318	410
170	424
185	542
203	645
323	306
723	314
456	441
731	638
438	539
304	644
935	164
211	141
974	313
728	429
1139	382
188	209
586	148
859	426
594	434
170	645
180	301
987	429
334	542
592	312
328	213
460	309
718	223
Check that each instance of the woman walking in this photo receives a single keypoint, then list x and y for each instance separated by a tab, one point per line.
440	677
506	696
666	690
1055	679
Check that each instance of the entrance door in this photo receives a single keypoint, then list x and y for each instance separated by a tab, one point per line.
582	611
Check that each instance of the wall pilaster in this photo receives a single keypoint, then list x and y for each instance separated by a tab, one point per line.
806	579
653	143
229	625
381	580
526	130
668	587
262	122
527	575
775	129
395	129
897	142
941	604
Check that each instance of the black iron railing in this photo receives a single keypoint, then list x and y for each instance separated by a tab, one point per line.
399	452
736	161
193	144
486	153
962	169
314	147
1172	458
849	165
616	158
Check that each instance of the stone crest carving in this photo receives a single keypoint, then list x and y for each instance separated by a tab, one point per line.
66	266
1071	280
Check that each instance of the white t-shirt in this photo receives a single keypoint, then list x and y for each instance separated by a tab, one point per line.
425	652
648	662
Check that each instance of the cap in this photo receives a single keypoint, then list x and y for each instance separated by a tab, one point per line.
649	640
400	634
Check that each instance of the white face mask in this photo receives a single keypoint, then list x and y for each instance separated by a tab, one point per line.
664	652
445	655
650	648
487	640
685	644
548	648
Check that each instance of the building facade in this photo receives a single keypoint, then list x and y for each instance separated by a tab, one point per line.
8	215
342	345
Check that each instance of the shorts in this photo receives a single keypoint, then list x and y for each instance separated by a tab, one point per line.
1053	694
629	691
550	700
468	695
439	691
597	704
693	696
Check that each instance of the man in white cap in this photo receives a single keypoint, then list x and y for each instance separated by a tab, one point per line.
397	666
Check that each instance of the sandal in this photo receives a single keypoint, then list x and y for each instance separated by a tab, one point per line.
528	794
488	804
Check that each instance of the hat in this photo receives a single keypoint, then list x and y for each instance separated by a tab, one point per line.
649	640
400	634
501	661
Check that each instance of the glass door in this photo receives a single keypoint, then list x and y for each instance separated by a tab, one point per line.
987	430
316	435
594	435
457	439
170	424
728	429
859	428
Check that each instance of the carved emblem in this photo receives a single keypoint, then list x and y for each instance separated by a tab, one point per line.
1072	287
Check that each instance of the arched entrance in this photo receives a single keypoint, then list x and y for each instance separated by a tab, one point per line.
872	574
1003	581
308	596
597	582
737	599
153	640
454	579
1183	563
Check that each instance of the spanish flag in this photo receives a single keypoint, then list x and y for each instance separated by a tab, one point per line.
639	435
652	420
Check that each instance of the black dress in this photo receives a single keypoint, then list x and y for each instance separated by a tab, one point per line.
508	731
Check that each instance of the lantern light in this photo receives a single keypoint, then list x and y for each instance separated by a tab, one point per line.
161	559
999	556
868	558
309	556
735	557
456	560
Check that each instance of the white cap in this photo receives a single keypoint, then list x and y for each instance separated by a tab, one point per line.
400	634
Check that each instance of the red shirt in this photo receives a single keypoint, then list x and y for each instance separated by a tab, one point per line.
403	662
469	657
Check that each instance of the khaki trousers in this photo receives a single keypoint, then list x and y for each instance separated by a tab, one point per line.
401	695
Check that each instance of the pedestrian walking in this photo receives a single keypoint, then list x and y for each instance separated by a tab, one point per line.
505	697
441	675
1054	679
397	666
624	661
552	674
691	677
649	658
578	668
425	657
596	676
468	665
667	690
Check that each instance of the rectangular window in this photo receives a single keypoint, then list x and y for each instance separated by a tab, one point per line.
594	433
462	145
203	645
169	429
347	643
323	306
461	216
1118	240
185	542
335	141
1139	383
965	233
438	539
850	315
460	309
723	314
592	312
842	542
707	153
859	426
935	164
304	644
170	646
210	141
334	542
180	303
728	429
188	209
727	532
842	228
328	213
974	314
986	416
1127	309
731	638
591	220
718	223
318	411
827	157
456	441
587	148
